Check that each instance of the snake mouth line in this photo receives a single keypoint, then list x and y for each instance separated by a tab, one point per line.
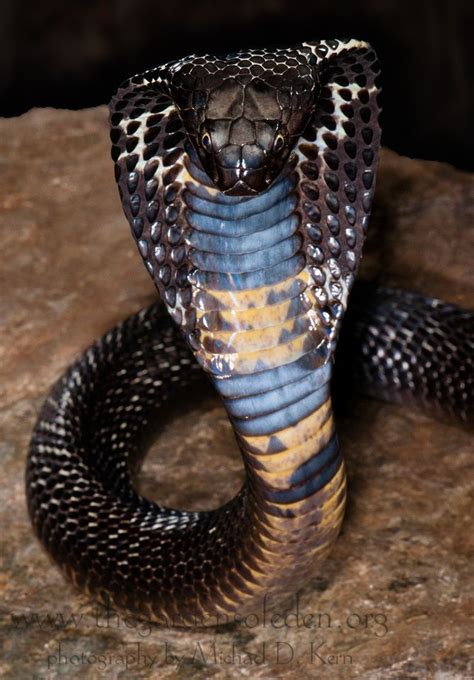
239	179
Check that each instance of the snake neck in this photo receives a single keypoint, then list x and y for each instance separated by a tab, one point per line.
259	335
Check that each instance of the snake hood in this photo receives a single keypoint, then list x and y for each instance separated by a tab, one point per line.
243	117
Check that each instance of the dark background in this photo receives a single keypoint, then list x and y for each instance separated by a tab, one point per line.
74	54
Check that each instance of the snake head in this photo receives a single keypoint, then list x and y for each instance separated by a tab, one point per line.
243	117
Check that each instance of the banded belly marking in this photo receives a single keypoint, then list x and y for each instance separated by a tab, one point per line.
268	345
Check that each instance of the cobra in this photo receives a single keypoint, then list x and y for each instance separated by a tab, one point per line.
248	183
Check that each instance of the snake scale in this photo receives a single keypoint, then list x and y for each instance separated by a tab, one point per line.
248	182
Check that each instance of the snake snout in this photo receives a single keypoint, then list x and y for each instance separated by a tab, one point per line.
241	170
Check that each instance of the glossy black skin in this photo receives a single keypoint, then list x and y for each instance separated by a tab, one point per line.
245	128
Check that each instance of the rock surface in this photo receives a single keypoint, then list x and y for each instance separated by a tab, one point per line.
395	597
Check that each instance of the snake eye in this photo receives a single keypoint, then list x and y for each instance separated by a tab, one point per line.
206	141
279	142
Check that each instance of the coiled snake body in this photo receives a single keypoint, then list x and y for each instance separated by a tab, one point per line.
248	183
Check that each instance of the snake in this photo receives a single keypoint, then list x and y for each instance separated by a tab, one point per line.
247	180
